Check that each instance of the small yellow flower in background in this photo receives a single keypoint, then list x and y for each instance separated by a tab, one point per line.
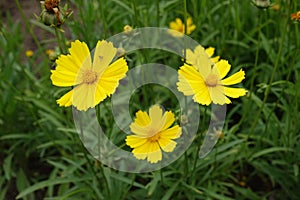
127	29
29	53
151	134
93	80
275	7
295	16
49	51
177	27
204	79
51	54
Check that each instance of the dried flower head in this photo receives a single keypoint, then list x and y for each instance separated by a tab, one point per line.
53	14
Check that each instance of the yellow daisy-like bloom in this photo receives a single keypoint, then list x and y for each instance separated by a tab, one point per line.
29	53
152	134
204	79
93	80
295	16
178	29
127	29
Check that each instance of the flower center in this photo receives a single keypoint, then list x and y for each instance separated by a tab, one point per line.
89	76
153	137
212	80
181	29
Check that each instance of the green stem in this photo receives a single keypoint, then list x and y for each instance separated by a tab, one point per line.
103	19
59	42
157	13
275	69
135	14
99	156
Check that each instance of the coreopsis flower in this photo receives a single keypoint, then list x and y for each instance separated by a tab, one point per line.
152	134
177	28
127	29
29	53
93	80
295	16
205	79
52	55
275	7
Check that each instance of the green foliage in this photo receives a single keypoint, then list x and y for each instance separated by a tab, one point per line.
42	156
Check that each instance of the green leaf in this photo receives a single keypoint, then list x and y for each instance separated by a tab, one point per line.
47	183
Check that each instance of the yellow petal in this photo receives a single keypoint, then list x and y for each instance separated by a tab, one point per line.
175	33
142	118
141	131
134	141
203	62
191	82
63	78
80	54
66	100
84	96
166	144
222	68
168	119
179	22
141	152
184	86
190	29
235	78
202	95
234	92
210	51
100	94
68	66
217	95
103	55
190	57
171	133
155	154
155	114
215	59
189	21
143	149
110	78
173	25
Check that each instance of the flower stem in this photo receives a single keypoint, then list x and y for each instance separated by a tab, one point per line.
275	69
104	25
59	42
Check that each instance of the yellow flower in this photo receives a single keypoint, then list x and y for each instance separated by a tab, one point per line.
49	51
29	53
275	7
93	80
152	134
51	54
204	80
177	27
295	16
127	29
